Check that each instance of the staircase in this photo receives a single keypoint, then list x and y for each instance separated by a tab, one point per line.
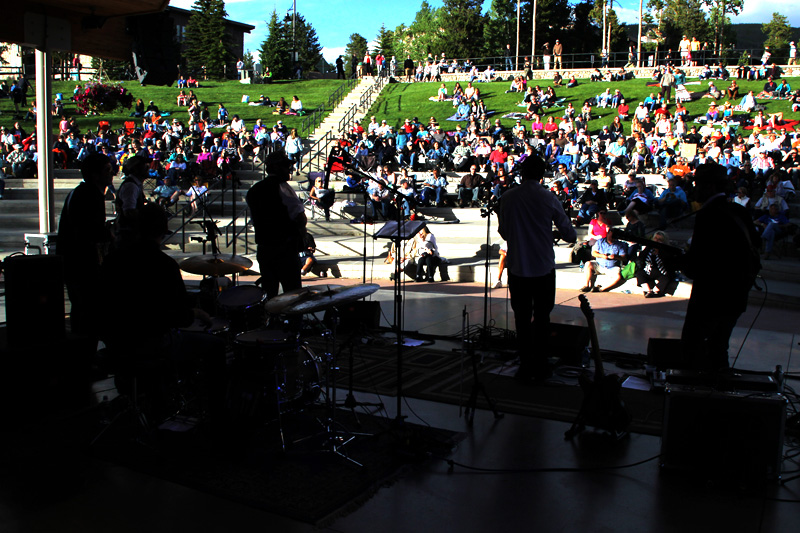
350	110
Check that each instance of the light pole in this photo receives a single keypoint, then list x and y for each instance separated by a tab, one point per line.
533	40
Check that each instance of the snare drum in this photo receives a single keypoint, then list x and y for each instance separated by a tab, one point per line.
243	306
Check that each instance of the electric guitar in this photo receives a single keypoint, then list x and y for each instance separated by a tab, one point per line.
602	407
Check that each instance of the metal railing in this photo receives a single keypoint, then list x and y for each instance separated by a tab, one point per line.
616	59
339	94
312	120
318	153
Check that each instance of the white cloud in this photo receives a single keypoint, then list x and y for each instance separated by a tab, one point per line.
330	54
628	16
761	12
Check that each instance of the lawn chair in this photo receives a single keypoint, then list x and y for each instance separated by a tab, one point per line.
130	127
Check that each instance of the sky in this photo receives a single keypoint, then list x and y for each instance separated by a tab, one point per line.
334	21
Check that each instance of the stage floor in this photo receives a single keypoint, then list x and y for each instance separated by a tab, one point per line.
516	497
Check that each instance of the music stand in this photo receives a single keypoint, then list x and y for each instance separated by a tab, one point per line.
397	232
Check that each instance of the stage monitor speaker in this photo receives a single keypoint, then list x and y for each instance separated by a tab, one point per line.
726	436
34	299
155	52
568	342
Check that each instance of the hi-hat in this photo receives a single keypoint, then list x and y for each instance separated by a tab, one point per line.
277	304
215	265
331	297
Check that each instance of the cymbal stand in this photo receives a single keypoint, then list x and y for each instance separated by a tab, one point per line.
334	440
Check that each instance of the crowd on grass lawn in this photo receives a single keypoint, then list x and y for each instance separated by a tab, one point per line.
201	145
654	135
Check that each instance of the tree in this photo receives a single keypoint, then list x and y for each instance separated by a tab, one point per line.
778	33
385	40
500	28
584	35
354	51
423	37
275	50
677	18
206	43
304	41
719	20
462	22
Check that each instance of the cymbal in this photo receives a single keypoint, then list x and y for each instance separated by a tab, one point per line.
277	304
215	265
331	297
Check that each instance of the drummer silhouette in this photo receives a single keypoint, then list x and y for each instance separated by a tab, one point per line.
279	222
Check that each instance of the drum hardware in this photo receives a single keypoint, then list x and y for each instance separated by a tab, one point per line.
350	401
333	440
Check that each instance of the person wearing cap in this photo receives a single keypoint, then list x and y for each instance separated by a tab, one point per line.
21	163
558	49
640	112
152	110
373	126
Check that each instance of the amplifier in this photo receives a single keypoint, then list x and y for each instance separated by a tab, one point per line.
35	305
355	315
40	243
730	436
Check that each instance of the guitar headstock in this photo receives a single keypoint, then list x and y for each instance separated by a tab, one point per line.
586	307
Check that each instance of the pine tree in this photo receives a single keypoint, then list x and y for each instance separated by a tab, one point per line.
357	47
206	43
385	40
462	22
306	43
275	49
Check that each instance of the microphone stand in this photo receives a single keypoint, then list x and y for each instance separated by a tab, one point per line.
397	240
486	212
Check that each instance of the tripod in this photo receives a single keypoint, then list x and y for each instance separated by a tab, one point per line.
478	387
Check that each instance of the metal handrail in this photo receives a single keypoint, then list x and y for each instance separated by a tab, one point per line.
616	59
312	120
319	151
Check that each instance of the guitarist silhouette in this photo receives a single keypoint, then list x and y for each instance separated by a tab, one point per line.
602	407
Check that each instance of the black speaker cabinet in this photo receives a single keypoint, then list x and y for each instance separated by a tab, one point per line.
727	436
355	315
34	299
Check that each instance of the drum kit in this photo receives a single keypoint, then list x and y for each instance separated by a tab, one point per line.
273	372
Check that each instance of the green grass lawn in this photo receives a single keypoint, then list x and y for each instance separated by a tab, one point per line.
312	93
399	101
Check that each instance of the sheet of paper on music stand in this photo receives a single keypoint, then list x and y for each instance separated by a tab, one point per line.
406	230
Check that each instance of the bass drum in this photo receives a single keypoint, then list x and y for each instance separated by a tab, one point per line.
271	376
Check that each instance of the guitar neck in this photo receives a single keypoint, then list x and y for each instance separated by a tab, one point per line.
599	372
